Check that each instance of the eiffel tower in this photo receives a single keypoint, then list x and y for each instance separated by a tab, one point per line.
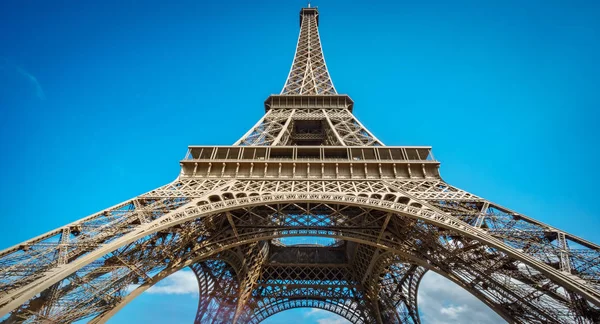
308	168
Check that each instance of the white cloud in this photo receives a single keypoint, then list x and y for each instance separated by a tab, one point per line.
183	282
315	311
321	316
442	301
452	311
332	320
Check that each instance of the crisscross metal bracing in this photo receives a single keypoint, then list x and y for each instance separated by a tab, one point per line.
309	75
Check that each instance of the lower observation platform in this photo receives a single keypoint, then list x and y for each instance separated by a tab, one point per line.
310	162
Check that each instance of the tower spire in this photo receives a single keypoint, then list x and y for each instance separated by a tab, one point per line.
309	74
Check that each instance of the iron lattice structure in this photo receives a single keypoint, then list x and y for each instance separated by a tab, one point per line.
307	168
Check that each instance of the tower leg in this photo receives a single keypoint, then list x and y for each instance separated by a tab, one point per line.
255	256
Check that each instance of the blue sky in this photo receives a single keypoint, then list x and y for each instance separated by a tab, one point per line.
98	101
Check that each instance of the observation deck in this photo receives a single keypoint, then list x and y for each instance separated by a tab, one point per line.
310	162
309	11
287	101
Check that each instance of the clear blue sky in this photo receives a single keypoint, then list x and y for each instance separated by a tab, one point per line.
98	101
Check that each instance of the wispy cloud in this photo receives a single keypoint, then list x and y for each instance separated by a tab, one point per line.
183	282
39	92
5	64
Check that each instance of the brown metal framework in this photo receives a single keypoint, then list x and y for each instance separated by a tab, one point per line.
307	168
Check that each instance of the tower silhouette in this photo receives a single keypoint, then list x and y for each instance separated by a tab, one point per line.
307	168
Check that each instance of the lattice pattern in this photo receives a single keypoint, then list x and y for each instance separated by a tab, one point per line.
399	283
339	306
269	129
561	250
309	74
255	257
340	128
218	288
465	252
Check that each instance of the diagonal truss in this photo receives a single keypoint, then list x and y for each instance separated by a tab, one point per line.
307	168
309	75
333	126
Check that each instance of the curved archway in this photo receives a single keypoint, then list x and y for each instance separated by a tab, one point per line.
352	315
442	298
425	220
142	288
308	314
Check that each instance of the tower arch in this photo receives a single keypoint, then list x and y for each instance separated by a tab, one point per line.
426	224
